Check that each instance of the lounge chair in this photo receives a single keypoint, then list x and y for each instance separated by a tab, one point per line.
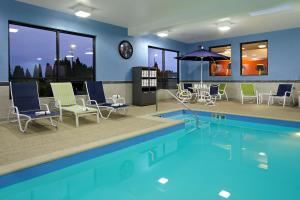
222	90
65	101
183	94
26	104
248	92
212	95
284	92
96	98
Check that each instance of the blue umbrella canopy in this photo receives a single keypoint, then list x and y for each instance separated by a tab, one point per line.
202	55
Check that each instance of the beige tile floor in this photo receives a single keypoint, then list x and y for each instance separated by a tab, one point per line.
43	143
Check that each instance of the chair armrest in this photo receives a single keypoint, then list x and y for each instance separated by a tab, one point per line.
90	102
46	107
82	102
58	104
287	92
15	109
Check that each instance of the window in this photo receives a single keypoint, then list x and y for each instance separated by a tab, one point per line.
254	58
167	66
222	67
48	55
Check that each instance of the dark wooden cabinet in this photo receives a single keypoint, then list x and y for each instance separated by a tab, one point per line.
144	86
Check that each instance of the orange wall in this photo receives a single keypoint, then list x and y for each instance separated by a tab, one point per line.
221	72
250	66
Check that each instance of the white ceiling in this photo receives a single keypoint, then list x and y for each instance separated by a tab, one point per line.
186	20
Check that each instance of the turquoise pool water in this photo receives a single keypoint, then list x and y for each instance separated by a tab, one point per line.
220	159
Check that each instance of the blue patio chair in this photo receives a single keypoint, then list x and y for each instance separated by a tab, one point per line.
284	92
212	95
26	105
188	86
96	98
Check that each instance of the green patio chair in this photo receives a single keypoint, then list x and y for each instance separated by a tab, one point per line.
222	91
65	101
248	92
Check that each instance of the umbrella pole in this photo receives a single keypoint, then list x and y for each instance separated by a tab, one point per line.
201	72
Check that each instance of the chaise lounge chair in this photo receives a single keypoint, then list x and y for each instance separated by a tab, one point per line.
65	101
26	104
248	92
284	92
96	98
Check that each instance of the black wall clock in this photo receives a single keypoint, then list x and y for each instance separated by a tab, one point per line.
125	49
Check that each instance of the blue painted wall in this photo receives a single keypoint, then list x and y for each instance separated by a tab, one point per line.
284	56
283	46
109	65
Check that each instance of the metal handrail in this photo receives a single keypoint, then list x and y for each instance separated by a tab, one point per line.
182	103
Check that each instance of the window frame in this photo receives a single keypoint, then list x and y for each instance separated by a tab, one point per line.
218	46
241	57
163	56
57	33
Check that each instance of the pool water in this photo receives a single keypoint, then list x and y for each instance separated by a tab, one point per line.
219	159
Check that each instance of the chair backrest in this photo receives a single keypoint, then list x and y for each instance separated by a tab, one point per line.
197	85
25	96
283	88
188	86
222	87
95	91
64	93
213	90
248	89
179	88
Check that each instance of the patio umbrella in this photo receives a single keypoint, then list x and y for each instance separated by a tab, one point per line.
202	55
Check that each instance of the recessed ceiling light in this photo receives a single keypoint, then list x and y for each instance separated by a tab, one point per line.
13	30
39	59
224	26
261	46
69	56
89	53
163	180
244	56
272	10
82	14
81	10
224	194
162	34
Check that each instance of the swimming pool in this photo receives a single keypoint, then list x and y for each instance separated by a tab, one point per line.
225	157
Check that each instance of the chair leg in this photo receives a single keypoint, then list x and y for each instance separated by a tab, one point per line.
98	118
23	130
226	96
60	115
52	124
242	100
269	100
77	120
284	100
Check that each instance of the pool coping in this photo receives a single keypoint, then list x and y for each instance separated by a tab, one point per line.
240	117
23	164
